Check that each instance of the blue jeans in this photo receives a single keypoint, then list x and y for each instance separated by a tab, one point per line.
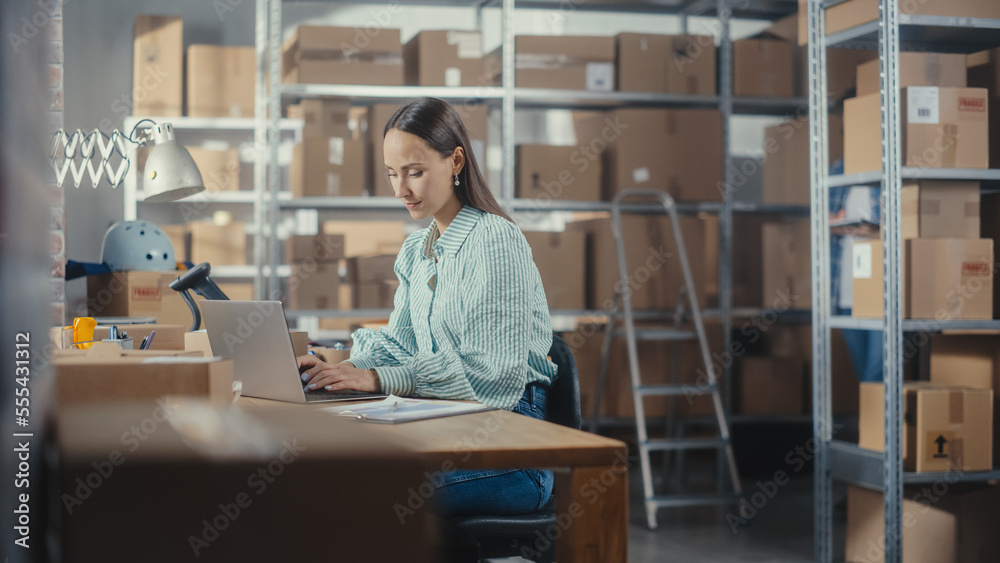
497	492
865	347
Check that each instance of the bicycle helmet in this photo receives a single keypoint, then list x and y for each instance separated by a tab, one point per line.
137	245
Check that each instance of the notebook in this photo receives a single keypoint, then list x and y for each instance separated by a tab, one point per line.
255	335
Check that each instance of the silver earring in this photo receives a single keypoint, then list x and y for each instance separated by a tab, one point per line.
456	179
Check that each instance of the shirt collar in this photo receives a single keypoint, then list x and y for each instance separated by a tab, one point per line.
452	239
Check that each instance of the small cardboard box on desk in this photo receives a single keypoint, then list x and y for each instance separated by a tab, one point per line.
105	373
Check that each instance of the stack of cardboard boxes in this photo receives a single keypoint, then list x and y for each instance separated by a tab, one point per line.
329	161
315	279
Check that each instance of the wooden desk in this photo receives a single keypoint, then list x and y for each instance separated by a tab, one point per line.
592	484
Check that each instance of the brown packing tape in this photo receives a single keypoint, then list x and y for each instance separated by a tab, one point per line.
956	407
972	209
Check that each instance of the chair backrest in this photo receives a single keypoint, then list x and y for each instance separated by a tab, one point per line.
564	395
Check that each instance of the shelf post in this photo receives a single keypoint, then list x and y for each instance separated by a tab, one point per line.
820	251
260	141
507	107
892	335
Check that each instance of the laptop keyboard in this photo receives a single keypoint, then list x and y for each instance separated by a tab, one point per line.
324	395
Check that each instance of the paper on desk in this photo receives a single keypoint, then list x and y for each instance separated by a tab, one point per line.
394	409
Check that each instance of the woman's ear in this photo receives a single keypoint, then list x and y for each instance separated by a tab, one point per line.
457	160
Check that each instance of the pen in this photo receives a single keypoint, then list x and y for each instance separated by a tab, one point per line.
145	339
114	332
149	339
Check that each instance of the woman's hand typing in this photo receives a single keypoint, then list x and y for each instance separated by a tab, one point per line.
317	374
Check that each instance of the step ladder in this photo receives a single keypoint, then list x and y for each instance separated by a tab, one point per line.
676	334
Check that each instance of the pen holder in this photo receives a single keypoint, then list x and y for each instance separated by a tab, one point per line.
125	343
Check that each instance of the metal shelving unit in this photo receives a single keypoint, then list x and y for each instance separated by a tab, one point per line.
836	459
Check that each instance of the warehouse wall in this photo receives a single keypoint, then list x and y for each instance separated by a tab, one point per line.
98	73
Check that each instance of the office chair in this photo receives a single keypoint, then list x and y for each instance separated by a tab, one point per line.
511	536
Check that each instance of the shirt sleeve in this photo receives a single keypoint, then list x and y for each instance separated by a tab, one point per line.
491	364
388	347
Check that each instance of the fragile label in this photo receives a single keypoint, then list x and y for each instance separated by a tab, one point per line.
601	77
640	175
150	293
923	104
862	269
980	269
336	152
972	104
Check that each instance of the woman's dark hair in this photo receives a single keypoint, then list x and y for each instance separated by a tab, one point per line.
440	126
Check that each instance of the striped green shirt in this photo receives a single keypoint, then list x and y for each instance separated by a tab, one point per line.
469	319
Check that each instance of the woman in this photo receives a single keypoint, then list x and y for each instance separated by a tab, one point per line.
470	320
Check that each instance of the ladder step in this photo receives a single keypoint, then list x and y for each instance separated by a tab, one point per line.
685	444
705	499
676	389
660	334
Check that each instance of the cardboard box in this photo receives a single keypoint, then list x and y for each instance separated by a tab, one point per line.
651	257
940	209
220	170
786	159
671	64
950	527
198	341
548	173
318	248
137	294
237	291
656	364
323	117
787	266
327	167
314	286
969	360
916	69
558	62
168	336
866	277
858	12
217	244
940	128
444	58
763	68
342	55
560	259
139	377
772	386
942	279
371	269
474	116
984	72
331	355
362	238
374	295
950	278
945	428
158	66
180	239
220	81
654	149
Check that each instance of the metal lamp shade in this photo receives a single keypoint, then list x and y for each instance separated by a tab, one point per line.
171	173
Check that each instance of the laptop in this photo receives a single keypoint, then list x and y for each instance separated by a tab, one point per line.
255	335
